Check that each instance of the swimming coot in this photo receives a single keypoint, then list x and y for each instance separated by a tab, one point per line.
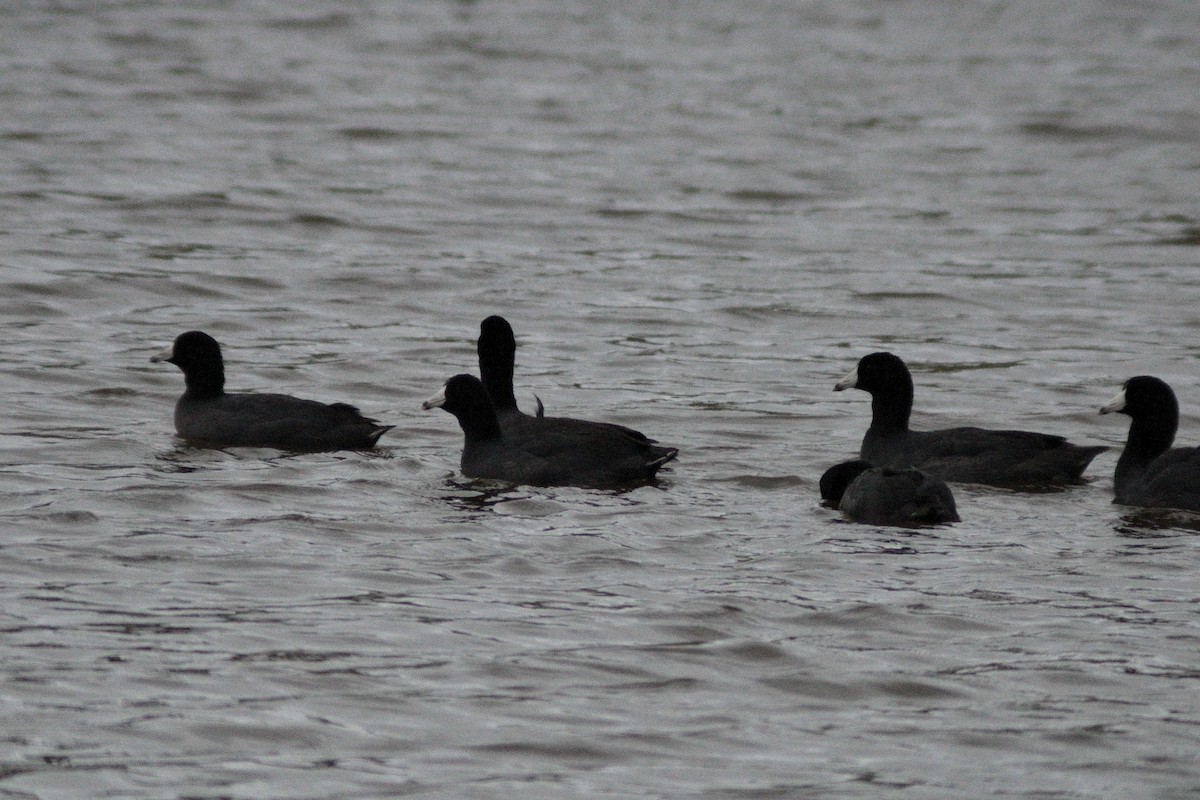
1016	459
542	453
205	414
1150	472
905	498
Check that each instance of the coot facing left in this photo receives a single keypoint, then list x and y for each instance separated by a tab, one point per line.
1150	472
543	454
207	415
1010	458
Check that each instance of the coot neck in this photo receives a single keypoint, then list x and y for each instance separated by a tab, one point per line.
891	407
496	371
477	417
204	381
1149	437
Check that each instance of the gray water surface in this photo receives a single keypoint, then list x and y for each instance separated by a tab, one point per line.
697	216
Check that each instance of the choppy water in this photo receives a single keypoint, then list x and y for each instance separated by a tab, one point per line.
697	216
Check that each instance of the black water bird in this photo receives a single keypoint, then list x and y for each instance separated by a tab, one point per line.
905	498
1015	459
543	454
1150	472
207	415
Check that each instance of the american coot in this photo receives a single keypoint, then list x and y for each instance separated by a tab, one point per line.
1150	472
205	414
906	498
497	348
1016	459
543	455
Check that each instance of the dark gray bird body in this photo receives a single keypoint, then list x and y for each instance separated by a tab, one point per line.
205	414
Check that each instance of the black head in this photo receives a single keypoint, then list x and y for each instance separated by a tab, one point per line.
1144	397
878	372
888	381
199	357
465	397
838	477
193	348
496	336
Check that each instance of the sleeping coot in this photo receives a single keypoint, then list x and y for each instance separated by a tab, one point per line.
205	414
543	455
905	498
1150	472
1017	459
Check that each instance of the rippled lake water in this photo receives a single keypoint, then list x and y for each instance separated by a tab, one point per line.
697	216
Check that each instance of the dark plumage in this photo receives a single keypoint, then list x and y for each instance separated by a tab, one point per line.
835	480
1016	459
543	454
905	498
1150	472
497	348
205	414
